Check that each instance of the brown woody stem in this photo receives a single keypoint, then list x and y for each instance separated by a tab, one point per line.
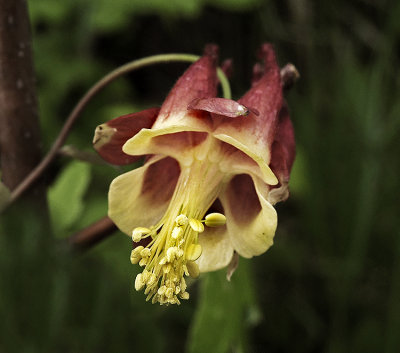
19	123
92	234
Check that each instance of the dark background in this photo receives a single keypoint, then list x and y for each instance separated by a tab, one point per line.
331	282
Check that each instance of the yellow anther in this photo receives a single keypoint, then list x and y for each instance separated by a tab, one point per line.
137	250
135	254
177	232
169	293
181	220
196	225
135	257
139	232
146	252
179	253
139	284
143	262
167	268
184	295
172	301
193	269
171	254
215	220
145	276
193	252
183	285
161	290
152	280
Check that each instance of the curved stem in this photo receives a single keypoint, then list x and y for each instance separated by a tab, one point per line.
122	70
91	235
223	80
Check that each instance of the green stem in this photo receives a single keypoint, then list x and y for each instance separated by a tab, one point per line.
162	58
96	88
226	88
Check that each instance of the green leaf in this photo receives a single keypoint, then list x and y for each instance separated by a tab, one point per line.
298	184
66	196
225	312
4	196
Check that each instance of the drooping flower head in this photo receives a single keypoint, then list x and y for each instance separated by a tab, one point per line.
213	170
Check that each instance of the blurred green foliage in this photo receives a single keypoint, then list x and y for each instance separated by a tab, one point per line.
65	196
331	281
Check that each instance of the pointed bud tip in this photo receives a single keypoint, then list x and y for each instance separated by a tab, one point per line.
266	52
211	50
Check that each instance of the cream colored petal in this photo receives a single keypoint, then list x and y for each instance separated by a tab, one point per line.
232	266
217	249
232	160
267	175
251	219
279	194
174	141
140	198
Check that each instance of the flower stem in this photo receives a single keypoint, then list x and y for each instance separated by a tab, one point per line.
226	88
96	88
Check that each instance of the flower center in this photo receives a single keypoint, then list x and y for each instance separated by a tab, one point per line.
174	247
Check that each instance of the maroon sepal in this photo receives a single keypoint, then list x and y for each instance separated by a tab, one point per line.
203	74
265	96
283	148
111	136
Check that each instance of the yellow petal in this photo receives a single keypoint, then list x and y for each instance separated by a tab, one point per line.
134	203
251	218
174	141
259	154
217	249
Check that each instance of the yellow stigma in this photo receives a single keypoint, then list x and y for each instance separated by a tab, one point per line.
139	233
174	246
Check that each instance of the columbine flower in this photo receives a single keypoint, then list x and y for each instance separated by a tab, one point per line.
214	168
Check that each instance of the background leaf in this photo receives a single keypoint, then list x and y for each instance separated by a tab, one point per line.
65	196
225	312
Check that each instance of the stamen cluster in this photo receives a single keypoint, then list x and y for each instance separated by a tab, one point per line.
170	255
